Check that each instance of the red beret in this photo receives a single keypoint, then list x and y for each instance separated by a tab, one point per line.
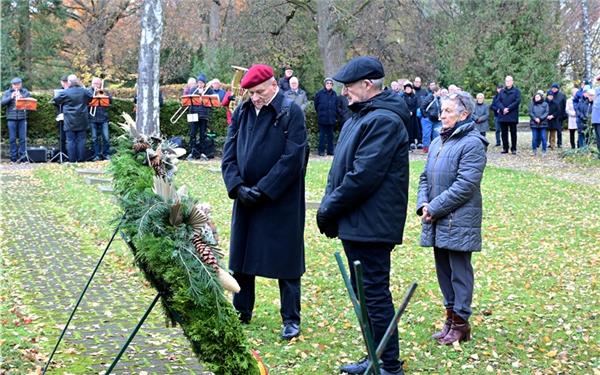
256	75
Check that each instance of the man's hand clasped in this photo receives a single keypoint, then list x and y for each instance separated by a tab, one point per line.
327	224
250	196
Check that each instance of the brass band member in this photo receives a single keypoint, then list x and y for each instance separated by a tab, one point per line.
99	122
17	120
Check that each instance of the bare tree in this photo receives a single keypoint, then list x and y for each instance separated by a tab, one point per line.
329	37
148	119
587	44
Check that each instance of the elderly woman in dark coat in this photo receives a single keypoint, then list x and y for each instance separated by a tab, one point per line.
449	203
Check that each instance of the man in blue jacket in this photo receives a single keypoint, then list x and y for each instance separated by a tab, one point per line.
326	108
367	193
508	114
16	119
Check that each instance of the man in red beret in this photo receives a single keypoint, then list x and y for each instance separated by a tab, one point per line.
263	168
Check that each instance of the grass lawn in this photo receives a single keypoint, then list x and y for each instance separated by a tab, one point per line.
536	303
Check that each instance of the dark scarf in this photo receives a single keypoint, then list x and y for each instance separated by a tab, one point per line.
447	133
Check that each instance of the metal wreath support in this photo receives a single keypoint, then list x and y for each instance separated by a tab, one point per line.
360	309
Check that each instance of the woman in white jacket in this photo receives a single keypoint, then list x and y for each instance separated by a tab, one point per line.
570	109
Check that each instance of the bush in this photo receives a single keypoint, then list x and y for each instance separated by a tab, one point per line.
42	129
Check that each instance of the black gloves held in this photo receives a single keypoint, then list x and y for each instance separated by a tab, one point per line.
327	224
250	197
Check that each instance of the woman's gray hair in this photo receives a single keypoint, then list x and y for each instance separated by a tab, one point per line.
464	101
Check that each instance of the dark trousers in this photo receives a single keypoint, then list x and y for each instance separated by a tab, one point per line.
506	126
326	137
104	149
498	130
197	137
559	136
455	277
572	133
76	145
597	130
289	294
17	128
62	137
375	260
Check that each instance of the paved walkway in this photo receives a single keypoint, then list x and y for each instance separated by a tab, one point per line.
52	263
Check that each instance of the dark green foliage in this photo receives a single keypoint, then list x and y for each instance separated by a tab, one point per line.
191	295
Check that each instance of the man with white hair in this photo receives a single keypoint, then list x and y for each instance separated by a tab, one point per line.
99	123
296	94
74	101
507	111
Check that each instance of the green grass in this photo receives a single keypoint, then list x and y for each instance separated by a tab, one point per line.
535	307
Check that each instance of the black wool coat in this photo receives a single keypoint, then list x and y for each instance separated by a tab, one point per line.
267	240
74	101
326	107
367	186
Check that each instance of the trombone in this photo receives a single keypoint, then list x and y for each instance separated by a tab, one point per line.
97	93
183	109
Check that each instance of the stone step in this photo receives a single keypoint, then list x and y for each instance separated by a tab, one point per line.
97	180
105	189
84	171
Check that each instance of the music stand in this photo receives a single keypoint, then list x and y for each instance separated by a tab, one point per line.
61	155
27	104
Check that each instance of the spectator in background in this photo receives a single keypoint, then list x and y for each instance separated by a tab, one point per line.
561	102
508	103
412	126
572	115
297	94
453	89
584	110
430	121
284	82
584	85
420	92
395	87
538	114
494	108
553	119
596	113
74	101
16	120
481	114
326	107
217	89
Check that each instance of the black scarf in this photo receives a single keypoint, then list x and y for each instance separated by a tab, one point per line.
446	133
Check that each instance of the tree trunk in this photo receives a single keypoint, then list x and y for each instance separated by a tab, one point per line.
147	116
330	40
587	44
24	41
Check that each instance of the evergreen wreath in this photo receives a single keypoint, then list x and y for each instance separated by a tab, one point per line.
175	246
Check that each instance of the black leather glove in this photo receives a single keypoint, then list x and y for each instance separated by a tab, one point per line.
327	225
232	98
246	196
258	194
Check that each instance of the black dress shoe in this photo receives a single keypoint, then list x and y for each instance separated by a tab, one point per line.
290	330
504	152
357	367
244	318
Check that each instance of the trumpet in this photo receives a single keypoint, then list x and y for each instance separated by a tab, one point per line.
183	109
97	92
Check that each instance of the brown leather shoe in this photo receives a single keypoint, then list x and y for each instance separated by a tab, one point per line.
446	328
460	330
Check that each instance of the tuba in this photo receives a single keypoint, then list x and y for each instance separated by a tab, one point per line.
239	93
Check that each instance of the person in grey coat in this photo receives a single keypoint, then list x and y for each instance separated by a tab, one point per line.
296	94
450	205
538	114
16	120
481	115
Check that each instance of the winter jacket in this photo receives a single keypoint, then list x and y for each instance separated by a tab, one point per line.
451	187
583	110
508	98
326	107
343	112
367	186
284	83
299	97
554	123
74	101
481	116
596	107
538	110
561	102
570	110
431	108
11	111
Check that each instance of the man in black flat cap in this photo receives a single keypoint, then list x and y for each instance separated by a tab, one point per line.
367	193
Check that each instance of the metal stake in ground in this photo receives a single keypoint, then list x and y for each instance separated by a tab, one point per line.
82	294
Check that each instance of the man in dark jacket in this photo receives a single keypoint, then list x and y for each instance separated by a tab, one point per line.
561	102
430	116
199	123
494	107
367	193
284	82
263	169
508	114
74	101
326	107
99	122
16	120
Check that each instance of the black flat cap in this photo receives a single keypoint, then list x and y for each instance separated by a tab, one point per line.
362	67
